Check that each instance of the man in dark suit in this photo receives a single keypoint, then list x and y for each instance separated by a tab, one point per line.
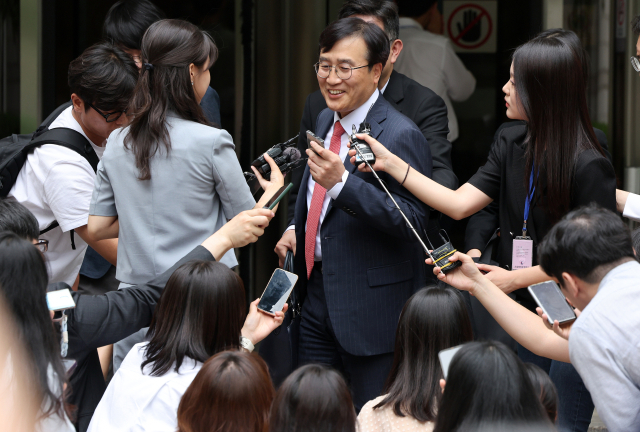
358	261
425	108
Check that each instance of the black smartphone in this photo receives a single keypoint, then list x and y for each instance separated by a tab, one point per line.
552	302
275	199
277	292
313	137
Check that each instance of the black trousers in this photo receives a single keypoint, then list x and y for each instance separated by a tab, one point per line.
365	375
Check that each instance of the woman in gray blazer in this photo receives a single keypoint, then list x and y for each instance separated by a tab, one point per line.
168	180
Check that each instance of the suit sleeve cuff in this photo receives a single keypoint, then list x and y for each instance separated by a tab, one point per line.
335	190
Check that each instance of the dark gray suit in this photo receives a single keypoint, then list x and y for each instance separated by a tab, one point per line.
371	261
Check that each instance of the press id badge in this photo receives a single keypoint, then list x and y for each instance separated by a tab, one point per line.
522	257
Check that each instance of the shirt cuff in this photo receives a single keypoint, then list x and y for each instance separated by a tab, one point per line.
290	227
335	190
632	207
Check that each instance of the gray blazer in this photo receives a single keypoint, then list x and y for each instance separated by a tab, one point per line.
193	191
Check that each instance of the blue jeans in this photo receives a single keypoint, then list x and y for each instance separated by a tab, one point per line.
575	407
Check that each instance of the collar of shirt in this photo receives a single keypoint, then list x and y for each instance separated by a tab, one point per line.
410	23
356	116
385	85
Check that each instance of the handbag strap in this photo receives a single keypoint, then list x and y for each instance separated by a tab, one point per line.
294	305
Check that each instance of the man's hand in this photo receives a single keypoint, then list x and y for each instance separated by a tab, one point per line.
243	229
286	243
326	167
562	331
503	279
258	325
474	253
466	277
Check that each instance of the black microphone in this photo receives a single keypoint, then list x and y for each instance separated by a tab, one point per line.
290	154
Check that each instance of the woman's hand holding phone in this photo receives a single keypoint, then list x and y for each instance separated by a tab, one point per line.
258	325
384	158
467	277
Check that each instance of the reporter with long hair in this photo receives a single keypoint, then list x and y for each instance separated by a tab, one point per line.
432	320
231	393
201	312
546	167
23	284
169	179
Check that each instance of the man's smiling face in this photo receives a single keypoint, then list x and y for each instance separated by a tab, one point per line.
344	96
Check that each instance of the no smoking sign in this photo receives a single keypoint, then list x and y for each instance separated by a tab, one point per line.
471	25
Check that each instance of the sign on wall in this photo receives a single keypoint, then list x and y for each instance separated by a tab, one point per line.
471	25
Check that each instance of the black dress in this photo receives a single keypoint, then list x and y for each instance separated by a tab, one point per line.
502	179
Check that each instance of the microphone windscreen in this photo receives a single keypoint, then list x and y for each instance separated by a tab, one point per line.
292	154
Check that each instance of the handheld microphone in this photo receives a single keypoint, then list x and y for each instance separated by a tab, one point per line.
439	254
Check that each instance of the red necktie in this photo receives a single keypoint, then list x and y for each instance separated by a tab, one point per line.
313	218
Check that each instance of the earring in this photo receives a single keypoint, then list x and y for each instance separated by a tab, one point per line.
191	82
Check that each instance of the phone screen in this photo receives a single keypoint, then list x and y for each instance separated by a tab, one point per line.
60	300
445	358
551	300
277	291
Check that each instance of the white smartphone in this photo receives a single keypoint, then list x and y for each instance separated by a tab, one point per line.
445	357
60	300
552	302
277	292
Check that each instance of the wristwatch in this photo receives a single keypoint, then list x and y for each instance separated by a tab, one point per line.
246	344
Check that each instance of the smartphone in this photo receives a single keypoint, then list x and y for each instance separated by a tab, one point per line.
552	302
60	300
445	357
277	291
275	199
69	366
313	137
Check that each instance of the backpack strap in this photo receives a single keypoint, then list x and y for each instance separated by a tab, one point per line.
68	138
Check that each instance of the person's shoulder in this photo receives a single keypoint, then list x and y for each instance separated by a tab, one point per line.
194	134
511	132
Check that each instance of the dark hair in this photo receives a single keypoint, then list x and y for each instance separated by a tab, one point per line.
551	87
23	283
127	20
635	25
413	8
200	313
104	76
377	42
573	41
635	241
170	46
433	319
586	243
16	218
231	393
487	383
547	390
314	398
385	10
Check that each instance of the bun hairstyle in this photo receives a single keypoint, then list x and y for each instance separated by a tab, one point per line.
168	48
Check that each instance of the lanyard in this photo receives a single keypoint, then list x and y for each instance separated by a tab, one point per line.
527	203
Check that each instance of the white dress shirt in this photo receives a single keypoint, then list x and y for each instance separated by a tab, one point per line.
430	60
136	401
355	117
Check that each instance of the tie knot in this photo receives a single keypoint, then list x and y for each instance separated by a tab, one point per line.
338	129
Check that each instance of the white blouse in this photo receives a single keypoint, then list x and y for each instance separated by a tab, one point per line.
137	401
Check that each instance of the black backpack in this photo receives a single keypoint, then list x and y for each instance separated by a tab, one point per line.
14	150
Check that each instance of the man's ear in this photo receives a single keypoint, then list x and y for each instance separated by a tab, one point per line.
571	284
377	72
396	48
78	103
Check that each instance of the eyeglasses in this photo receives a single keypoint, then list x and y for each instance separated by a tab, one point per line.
343	70
635	62
42	245
109	117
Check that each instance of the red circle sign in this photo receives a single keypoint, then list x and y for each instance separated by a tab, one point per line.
482	14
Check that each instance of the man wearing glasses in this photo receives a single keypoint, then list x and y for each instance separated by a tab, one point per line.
357	260
56	183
